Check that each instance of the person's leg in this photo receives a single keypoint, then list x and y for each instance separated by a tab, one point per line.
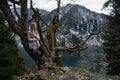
39	63
37	58
41	51
40	60
33	55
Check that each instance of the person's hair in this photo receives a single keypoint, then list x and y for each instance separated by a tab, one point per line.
33	27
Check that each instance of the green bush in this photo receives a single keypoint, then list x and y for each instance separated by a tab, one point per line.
11	62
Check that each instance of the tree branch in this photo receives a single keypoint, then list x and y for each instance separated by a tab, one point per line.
78	47
8	15
14	2
15	10
23	20
94	33
33	9
70	49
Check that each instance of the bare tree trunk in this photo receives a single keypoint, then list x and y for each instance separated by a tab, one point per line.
8	15
19	27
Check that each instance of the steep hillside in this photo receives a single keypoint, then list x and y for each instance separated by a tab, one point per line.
78	21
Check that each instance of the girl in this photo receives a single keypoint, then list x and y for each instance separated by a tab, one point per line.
34	45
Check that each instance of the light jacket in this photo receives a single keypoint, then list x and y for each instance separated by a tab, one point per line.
33	40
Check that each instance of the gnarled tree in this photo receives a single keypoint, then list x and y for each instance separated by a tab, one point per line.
20	28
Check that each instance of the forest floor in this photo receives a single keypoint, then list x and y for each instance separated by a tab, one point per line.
64	73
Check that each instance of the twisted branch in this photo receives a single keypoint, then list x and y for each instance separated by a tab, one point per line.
15	10
77	47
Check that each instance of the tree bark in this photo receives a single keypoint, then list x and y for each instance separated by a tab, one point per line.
8	15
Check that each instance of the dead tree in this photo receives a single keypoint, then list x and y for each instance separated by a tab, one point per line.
20	28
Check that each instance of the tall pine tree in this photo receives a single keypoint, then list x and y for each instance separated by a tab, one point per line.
112	38
11	62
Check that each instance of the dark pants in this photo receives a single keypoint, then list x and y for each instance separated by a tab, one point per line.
37	56
41	51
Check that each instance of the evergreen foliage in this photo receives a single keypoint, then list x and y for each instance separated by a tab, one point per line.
112	38
11	62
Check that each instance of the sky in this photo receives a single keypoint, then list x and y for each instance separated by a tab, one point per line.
94	5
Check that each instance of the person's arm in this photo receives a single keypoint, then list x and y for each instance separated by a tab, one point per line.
37	36
31	37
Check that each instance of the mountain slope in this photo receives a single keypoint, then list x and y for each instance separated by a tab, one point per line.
78	21
79	18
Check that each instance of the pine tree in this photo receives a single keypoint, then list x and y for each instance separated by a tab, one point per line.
112	39
11	62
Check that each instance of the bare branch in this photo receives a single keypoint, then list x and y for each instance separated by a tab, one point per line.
40	19
94	33
8	15
23	20
35	14
15	10
14	2
58	9
33	9
78	47
70	49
